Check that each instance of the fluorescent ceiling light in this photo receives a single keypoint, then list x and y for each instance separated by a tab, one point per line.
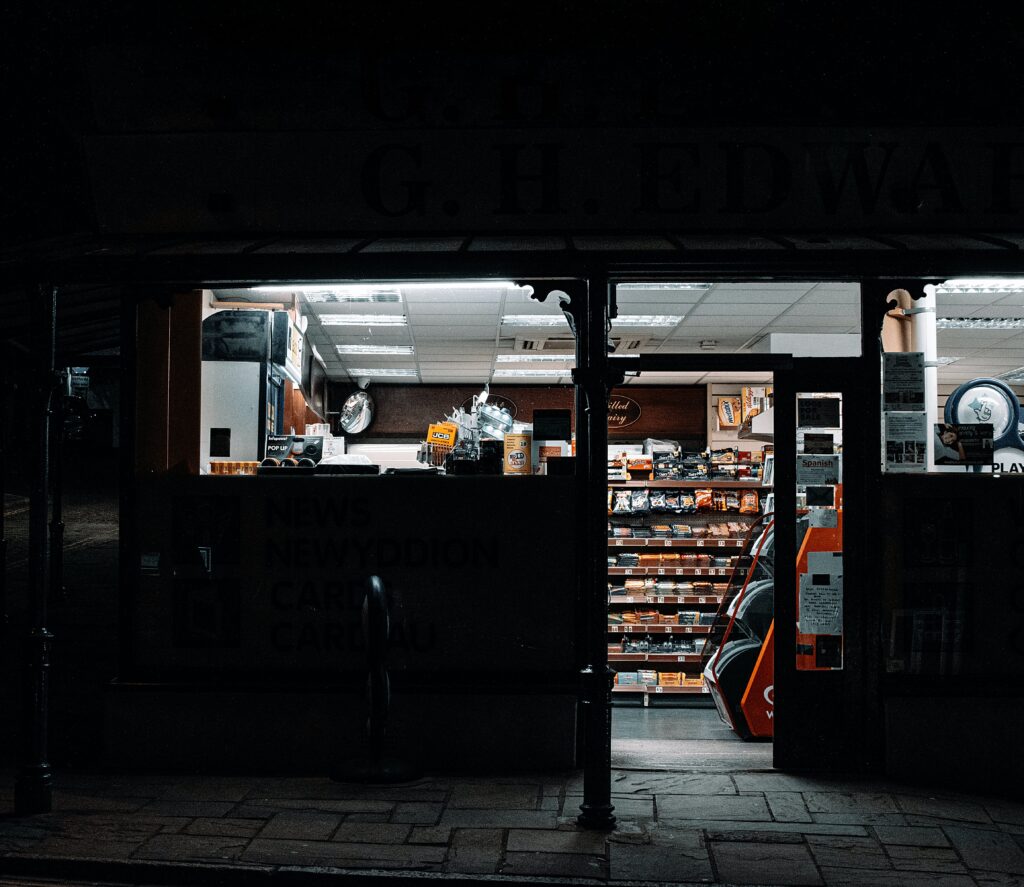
982	285
373	349
647	320
534	320
534	358
364	320
509	374
381	371
648	287
979	323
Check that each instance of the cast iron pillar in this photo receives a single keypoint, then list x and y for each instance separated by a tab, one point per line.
596	677
57	491
3	496
33	786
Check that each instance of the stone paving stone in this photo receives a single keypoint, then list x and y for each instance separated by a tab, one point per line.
996	879
944	808
191	847
209	789
73	801
84	848
552	789
842	877
668	857
231	828
301	826
802	828
773	781
326	805
713	807
939	822
850	802
624	783
367	817
551	802
507	797
848	852
475	851
628	832
915	836
548	841
499	818
990	851
756	837
1005	811
191	809
336	853
865	818
926	859
625	805
416	813
323	789
372	832
557	865
787	864
430	834
787	806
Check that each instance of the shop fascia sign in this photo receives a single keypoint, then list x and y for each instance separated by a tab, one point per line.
622	178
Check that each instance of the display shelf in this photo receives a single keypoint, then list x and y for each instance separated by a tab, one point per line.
658	690
753	483
629	542
665	599
669	571
656	628
663	658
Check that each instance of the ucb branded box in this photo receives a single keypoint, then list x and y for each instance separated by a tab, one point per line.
295	446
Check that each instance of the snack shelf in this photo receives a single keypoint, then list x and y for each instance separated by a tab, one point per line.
656	628
658	690
689	484
665	599
630	542
664	658
669	571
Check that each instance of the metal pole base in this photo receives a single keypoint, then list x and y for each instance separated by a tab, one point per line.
597	816
376	771
33	791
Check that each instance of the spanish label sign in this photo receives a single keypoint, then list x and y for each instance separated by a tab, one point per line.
903	381
817	470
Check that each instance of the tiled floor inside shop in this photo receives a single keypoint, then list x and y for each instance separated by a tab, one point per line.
681	738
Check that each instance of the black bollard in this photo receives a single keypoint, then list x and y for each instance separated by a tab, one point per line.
376	767
33	786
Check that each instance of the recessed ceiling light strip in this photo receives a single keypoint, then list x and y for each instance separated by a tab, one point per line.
381	371
363	320
979	323
374	349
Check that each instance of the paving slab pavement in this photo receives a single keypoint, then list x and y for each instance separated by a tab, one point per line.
750	828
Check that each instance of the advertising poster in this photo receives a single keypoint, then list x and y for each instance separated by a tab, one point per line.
906	443
818	412
963	444
819	443
903	381
821	594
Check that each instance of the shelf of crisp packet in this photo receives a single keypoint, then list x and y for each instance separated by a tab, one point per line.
664	599
752	484
669	571
665	542
647	681
655	658
656	628
668	497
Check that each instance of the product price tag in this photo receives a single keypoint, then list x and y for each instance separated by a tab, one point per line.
680	659
661	572
700	543
698	572
658	689
702	600
667	543
721	543
661	599
614	629
627	572
619	542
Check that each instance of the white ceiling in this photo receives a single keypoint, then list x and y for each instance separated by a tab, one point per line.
456	331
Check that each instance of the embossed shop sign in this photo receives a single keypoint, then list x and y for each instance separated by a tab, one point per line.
622	412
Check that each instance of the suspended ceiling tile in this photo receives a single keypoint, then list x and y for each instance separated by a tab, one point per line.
743	297
445	332
746	309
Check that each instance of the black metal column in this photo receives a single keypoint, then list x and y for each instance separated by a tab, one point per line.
57	491
3	495
592	361
33	786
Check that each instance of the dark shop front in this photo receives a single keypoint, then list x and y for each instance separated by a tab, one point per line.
489	415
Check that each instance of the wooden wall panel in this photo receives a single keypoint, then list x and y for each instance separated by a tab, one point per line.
405	411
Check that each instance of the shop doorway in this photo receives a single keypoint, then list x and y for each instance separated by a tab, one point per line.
753	691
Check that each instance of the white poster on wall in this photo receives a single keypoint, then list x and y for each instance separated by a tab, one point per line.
821	594
906	442
903	381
